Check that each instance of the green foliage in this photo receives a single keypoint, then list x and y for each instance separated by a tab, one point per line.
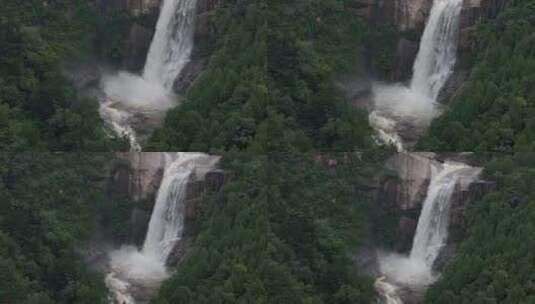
281	232
495	110
39	107
288	55
496	261
50	204
224	107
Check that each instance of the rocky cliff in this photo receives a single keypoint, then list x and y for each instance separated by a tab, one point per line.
140	36
409	16
140	182
408	192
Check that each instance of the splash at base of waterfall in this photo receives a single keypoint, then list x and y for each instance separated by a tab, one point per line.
132	106
134	277
388	291
400	114
135	274
415	272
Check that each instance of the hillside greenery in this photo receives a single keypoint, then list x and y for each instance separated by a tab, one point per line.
495	111
50	204
282	232
496	262
279	88
40	108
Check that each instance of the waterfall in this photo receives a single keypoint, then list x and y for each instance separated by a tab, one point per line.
133	103
141	271
433	223
403	112
416	270
172	43
438	49
166	221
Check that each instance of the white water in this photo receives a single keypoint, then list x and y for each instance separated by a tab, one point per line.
129	97
388	290
172	43
415	106
438	49
416	270
141	271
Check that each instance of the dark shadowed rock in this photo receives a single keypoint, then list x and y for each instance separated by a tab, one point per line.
217	178
138	44
139	223
406	52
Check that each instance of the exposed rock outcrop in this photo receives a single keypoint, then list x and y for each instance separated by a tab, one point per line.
410	15
405	14
137	44
409	191
140	181
414	171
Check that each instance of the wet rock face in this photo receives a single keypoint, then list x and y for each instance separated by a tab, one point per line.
141	181
138	44
414	171
409	191
408	14
404	14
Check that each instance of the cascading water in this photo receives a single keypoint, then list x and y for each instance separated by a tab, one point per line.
432	230
166	221
172	43
401	110
416	270
129	98
136	274
438	49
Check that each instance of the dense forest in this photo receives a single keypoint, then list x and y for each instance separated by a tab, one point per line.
40	108
495	263
279	92
283	232
43	231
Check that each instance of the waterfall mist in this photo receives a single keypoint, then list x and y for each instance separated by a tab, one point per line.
129	97
410	109
138	273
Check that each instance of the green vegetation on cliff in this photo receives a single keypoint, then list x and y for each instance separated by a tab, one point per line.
49	206
39	106
495	111
270	81
495	263
282	232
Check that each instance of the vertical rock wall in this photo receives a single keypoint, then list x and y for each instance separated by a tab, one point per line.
140	182
409	191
